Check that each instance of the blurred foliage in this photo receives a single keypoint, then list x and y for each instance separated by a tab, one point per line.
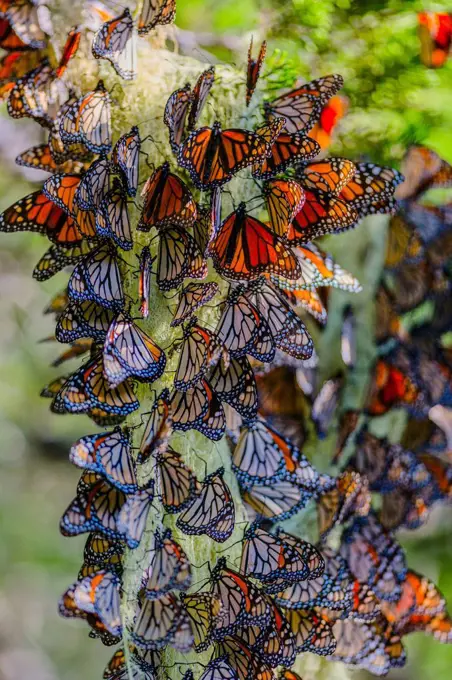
394	101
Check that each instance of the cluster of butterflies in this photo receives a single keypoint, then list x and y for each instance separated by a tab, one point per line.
413	369
412	372
435	33
287	596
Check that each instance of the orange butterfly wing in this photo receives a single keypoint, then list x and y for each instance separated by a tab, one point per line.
320	216
245	248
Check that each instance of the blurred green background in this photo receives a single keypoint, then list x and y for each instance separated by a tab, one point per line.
394	101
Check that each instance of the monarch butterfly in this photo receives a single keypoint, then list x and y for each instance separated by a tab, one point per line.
242	660
314	270
420	608
391	387
423	169
332	589
57	258
287	330
278	646
9	40
213	424
312	634
320	215
112	217
189	408
211	510
278	501
435	34
243	603
168	567
99	595
37	213
157	622
50	390
350	495
93	185
212	155
83	320
40	158
441	474
87	121
109	455
284	198
263	456
115	41
309	300
87	389
69	50
142	667
97	278
57	304
267	558
37	95
144	281
329	175
167	201
253	69
199	96
362	644
77	348
15	65
133	514
30	21
327	272
95	508
388	323
100	551
274	645
234	383
125	159
311	555
219	669
374	557
175	115
156	12
203	610
178	258
192	297
129	352
176	481
61	151
388	466
303	106
197	352
245	247
238	328
62	190
68	608
331	114
403	243
158	427
285	149
371	188
405	508
325	404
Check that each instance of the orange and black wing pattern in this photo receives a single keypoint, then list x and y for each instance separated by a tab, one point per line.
212	155
253	69
245	248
